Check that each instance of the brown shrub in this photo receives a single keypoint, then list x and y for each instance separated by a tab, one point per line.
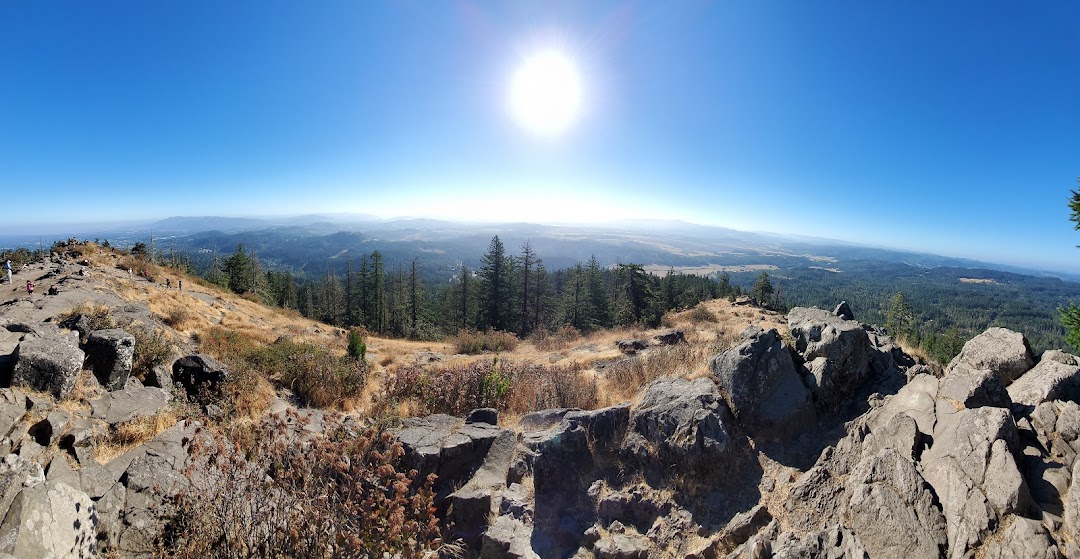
629	375
471	342
505	385
341	494
561	339
701	314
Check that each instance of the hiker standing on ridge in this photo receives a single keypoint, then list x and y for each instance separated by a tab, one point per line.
7	266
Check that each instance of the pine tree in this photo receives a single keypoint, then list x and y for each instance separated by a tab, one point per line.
763	289
526	260
899	316
494	288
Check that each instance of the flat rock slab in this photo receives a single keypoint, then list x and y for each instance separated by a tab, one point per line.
125	405
49	520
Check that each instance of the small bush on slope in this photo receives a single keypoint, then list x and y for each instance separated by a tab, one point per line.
316	375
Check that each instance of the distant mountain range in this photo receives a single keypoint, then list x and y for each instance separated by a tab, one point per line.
310	243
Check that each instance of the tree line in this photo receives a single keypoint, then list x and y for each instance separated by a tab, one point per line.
509	292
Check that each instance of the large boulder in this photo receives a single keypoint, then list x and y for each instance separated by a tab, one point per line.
1000	350
49	364
974	473
1051	379
838	352
110	353
196	372
763	390
683	423
892	509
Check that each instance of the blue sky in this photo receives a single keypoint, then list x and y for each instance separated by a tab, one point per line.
950	127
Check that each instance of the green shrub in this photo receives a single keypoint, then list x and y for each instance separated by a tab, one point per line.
357	347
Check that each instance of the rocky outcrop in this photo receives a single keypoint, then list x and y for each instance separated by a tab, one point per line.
1000	350
758	380
682	423
837	353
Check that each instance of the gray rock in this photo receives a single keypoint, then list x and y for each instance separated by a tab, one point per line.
16	473
631	345
483	415
46	430
1003	351
446	446
843	344
49	520
671	337
843	310
195	372
479	499
1022	538
965	387
762	388
125	405
834	542
1072	505
744	525
507	538
916	399
892	509
1049	380
48	364
159	377
12	408
682	423
621	546
901	434
110	354
972	469
1060	357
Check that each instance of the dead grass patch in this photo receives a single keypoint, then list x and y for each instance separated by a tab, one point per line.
127	435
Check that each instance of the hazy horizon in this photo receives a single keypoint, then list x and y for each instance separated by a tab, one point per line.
943	128
57	231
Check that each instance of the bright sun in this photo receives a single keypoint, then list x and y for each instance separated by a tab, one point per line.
545	93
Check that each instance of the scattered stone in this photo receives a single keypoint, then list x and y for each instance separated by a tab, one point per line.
1051	379
125	405
631	346
671	337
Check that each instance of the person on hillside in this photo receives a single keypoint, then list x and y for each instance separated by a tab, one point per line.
180	284
7	266
30	288
168	283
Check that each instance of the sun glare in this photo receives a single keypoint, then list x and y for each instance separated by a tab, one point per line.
545	93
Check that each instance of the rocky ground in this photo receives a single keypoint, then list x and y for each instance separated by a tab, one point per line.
813	435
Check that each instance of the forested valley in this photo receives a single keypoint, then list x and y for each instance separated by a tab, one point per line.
935	309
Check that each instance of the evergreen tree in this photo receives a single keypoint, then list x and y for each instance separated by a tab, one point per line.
526	261
763	289
899	316
494	288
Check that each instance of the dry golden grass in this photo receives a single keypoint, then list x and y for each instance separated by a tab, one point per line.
130	434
